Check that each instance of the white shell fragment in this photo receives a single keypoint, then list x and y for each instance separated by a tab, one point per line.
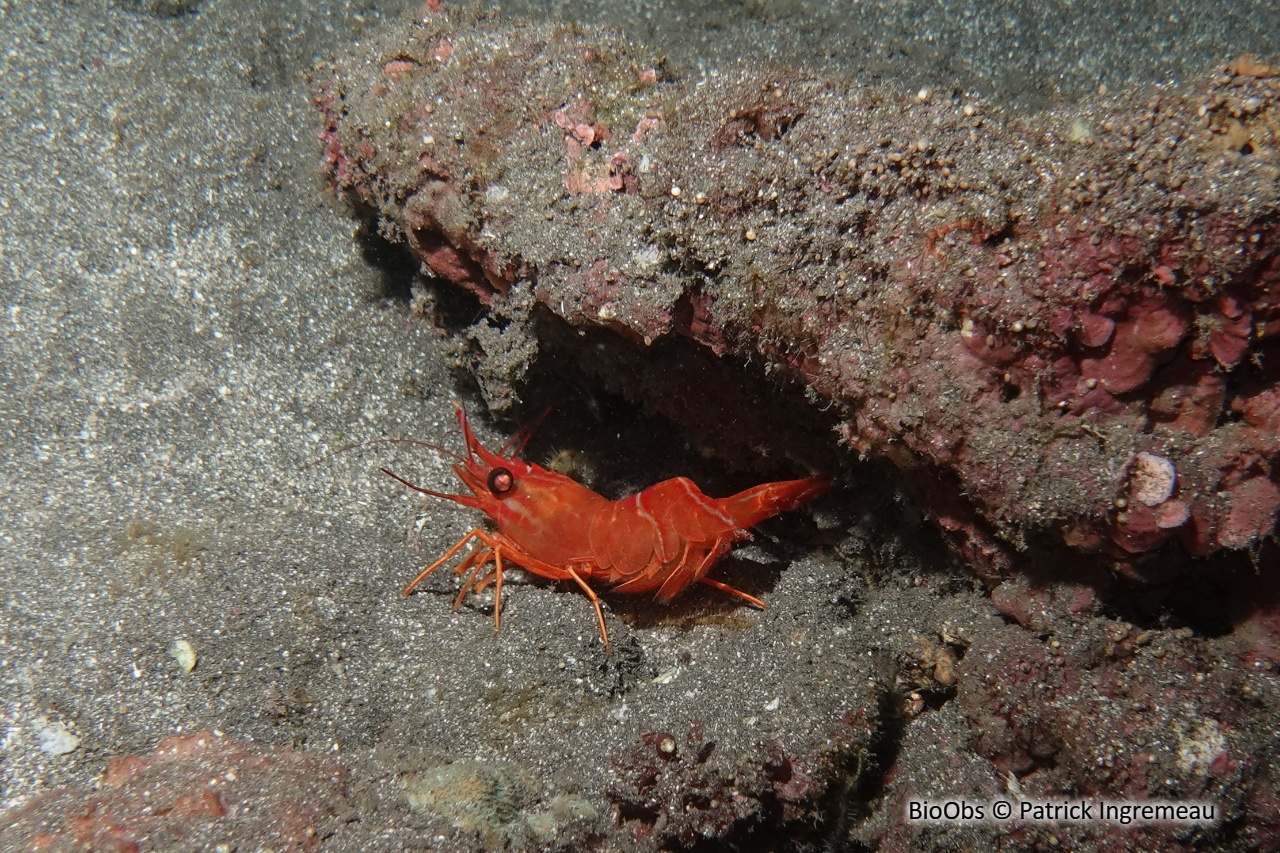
54	738
668	676
1152	479
184	653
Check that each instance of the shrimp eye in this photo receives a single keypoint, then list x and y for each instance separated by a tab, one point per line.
501	481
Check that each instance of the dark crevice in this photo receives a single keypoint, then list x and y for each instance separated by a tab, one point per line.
395	265
1209	595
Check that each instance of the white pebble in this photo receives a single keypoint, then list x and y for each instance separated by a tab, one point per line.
184	653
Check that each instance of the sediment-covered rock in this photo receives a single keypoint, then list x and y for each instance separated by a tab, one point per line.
1048	322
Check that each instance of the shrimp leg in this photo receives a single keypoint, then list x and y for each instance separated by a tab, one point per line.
448	555
724	587
595	602
475	563
492	548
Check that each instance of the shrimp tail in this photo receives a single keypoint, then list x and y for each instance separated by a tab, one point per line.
748	508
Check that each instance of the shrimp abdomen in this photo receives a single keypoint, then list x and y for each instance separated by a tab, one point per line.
663	538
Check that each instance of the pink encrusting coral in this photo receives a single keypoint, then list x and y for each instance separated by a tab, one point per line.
1031	316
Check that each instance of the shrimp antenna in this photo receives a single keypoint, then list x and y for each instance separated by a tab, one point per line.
465	500
515	445
437	448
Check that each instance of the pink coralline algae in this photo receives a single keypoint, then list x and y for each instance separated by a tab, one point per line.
1017	311
190	793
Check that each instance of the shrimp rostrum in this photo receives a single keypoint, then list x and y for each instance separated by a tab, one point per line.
661	540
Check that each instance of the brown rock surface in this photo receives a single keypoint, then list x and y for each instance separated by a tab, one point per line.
1010	308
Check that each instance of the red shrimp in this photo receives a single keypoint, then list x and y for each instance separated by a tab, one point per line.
661	540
